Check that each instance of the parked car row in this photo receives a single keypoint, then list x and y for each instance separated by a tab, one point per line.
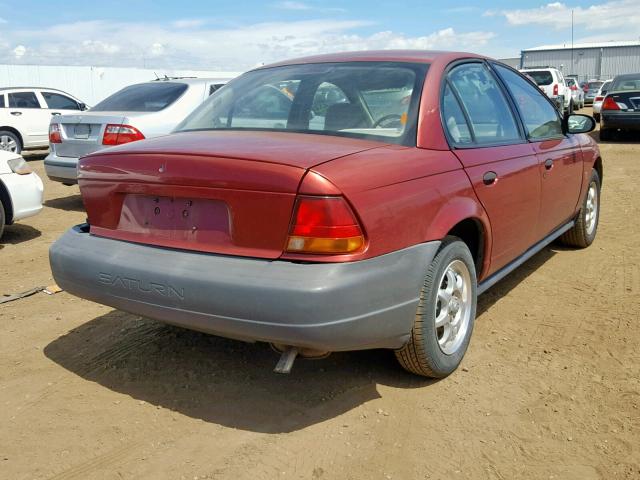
620	108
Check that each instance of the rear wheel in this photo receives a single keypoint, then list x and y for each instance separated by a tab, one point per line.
570	109
10	142
445	315
584	231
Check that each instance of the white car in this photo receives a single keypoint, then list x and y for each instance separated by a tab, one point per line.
25	114
551	81
21	189
136	112
599	98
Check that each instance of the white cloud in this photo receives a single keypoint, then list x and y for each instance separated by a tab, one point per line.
620	17
290	5
104	43
19	51
188	23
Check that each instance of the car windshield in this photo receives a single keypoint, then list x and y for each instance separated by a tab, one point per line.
144	97
541	77
626	83
373	100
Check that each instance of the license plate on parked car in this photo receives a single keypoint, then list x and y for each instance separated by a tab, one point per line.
82	131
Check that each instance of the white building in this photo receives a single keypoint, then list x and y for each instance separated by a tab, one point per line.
587	60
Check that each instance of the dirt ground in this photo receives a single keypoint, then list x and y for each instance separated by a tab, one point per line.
549	389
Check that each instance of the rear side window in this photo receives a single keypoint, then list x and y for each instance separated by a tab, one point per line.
144	97
453	117
1	101
541	77
215	87
23	100
491	118
539	116
62	102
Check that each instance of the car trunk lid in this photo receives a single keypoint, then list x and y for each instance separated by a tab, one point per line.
222	192
82	134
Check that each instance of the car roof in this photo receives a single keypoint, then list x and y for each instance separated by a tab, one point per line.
626	76
4	89
187	80
407	56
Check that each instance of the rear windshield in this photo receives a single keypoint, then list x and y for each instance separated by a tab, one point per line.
144	97
594	85
541	77
571	82
605	86
373	100
626	83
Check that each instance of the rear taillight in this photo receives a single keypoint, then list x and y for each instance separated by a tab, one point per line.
324	225
598	99
555	89
119	134
54	133
574	88
610	104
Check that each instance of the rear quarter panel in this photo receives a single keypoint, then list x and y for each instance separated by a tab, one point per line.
405	196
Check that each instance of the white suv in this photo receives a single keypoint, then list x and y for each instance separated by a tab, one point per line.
552	83
25	114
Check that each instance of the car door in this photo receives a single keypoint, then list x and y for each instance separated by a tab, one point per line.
559	155
58	104
28	117
486	136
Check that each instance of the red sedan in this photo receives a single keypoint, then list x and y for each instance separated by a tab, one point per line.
338	202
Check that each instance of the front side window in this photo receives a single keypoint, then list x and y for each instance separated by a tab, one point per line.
491	118
374	100
144	97
540	117
62	102
23	100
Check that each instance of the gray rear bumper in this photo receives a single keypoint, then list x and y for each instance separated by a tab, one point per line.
61	169
337	306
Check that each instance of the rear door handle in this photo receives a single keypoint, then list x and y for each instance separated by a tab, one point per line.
548	163
490	178
55	113
17	114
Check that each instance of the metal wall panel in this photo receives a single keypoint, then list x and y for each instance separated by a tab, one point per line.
588	63
90	84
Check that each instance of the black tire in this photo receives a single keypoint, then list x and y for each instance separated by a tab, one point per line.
423	355
581	235
2	218
596	117
605	134
570	109
14	137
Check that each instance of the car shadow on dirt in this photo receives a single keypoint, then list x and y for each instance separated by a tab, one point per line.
71	203
227	382
18	233
30	155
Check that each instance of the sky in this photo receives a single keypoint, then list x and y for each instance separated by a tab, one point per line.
239	35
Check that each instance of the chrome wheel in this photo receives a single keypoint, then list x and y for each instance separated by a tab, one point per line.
591	208
8	144
453	307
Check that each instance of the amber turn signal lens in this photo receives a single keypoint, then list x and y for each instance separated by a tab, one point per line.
325	245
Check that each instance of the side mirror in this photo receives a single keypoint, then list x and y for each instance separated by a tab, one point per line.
83	106
579	123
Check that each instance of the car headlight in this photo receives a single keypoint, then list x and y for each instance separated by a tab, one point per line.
19	166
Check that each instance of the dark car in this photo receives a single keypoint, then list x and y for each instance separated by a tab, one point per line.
621	107
339	202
